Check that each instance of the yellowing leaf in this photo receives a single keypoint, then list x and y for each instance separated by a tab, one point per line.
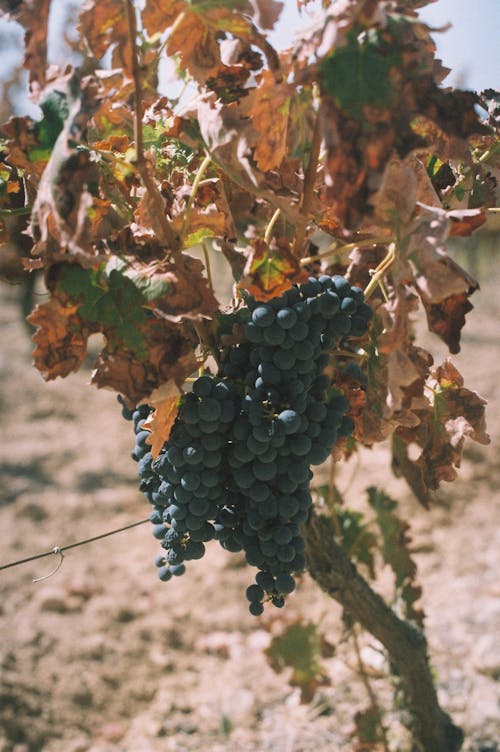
158	15
268	272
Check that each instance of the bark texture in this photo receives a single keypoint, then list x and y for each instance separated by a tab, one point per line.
433	729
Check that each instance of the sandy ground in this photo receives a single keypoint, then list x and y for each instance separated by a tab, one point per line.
102	657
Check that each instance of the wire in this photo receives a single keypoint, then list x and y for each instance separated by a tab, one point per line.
60	549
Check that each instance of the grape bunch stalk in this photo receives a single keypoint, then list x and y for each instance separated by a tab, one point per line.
237	465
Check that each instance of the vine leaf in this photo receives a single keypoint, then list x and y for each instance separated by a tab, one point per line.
158	15
175	292
268	272
444	287
267	12
301	648
367	729
165	400
141	352
269	111
357	76
447	318
60	338
395	551
456	413
194	36
109	302
210	216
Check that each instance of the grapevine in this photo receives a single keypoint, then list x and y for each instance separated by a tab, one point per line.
326	181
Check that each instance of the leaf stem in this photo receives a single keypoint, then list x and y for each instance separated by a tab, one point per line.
380	271
165	233
194	190
309	181
270	226
207	264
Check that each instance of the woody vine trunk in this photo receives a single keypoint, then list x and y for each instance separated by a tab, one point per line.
406	645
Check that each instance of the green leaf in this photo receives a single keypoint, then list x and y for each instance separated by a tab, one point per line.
357	540
300	647
55	110
357	75
395	536
395	551
112	301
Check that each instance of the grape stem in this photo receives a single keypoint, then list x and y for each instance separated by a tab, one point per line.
334	247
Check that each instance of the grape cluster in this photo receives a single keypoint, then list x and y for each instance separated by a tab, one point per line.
237	464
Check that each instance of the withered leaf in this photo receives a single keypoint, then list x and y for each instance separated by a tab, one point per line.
60	217
170	356
444	286
447	318
175	292
266	12
60	338
269	272
269	111
456	413
103	23
158	15
465	221
209	216
195	38
165	400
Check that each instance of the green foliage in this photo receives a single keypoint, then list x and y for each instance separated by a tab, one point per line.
111	300
300	647
357	75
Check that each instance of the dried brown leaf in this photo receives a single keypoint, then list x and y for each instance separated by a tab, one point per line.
165	400
456	413
60	339
103	23
269	112
170	355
